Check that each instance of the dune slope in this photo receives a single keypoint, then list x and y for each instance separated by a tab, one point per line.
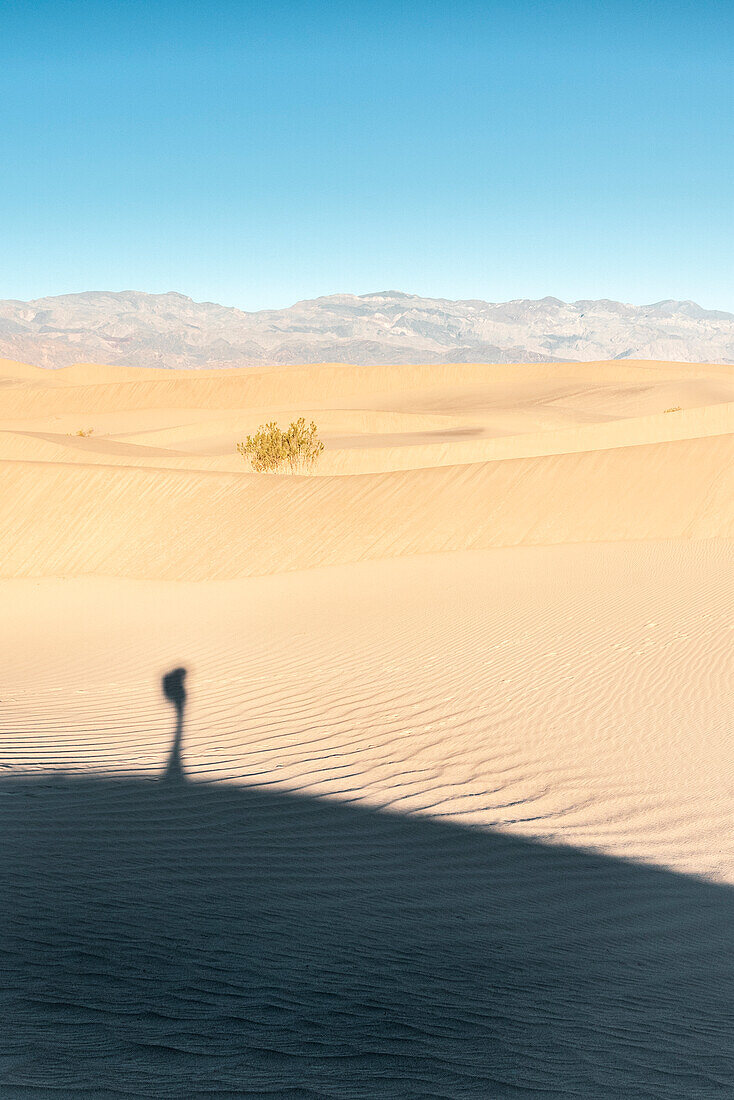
446	809
418	843
418	460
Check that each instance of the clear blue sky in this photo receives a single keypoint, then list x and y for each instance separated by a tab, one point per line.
255	154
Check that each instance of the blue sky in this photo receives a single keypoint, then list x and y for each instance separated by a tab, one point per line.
255	154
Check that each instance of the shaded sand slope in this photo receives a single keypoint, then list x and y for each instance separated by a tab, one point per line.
196	940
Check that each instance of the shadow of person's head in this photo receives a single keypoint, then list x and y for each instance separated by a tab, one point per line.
173	687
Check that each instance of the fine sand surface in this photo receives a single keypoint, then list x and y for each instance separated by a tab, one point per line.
448	810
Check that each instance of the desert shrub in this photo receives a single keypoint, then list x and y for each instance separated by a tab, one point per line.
673	409
264	449
84	433
270	449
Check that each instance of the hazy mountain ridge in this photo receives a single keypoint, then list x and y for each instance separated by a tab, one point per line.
132	328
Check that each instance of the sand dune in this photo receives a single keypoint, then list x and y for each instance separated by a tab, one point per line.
162	458
178	524
454	815
420	843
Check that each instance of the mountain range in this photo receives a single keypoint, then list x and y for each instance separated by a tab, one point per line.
132	328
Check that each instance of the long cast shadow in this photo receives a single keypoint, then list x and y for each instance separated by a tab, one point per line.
191	939
173	689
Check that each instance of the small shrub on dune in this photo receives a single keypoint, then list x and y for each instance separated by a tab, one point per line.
84	433
673	409
272	450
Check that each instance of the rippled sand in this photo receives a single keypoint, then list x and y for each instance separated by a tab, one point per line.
439	823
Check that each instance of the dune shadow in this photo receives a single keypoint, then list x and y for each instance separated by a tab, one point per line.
191	939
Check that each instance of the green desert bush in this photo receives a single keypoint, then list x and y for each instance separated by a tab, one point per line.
271	450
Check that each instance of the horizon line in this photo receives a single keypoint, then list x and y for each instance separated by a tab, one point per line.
371	294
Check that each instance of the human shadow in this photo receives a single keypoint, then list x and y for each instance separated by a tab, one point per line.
173	689
195	939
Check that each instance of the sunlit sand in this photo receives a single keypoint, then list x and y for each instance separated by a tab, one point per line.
453	761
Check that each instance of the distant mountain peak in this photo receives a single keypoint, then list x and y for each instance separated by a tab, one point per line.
132	328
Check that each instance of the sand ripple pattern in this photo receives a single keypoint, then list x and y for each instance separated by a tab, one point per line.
448	827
